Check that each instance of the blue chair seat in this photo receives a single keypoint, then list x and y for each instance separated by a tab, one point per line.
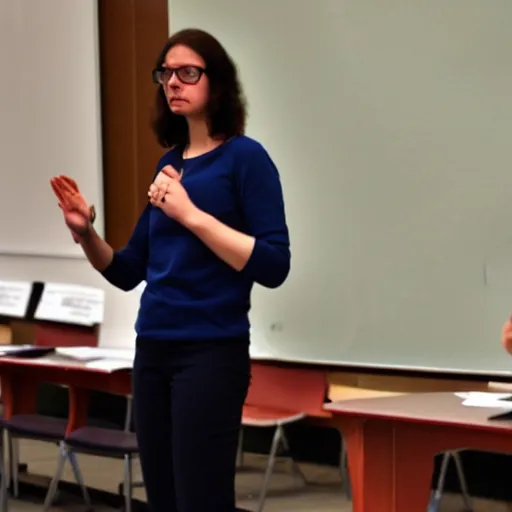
35	426
106	441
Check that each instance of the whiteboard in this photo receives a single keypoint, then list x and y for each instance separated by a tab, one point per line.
390	123
49	119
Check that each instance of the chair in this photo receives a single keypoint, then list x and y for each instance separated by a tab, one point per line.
4	502
101	442
435	497
277	397
39	428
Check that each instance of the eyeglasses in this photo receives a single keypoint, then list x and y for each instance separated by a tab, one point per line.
189	75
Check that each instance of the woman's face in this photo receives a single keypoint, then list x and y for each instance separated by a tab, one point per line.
186	89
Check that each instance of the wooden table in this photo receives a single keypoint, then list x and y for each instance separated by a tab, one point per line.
20	378
391	443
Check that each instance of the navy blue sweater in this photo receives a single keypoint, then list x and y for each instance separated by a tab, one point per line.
190	293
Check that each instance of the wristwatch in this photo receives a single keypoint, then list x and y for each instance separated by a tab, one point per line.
92	214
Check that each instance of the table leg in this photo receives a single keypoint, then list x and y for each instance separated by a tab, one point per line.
19	394
78	408
389	471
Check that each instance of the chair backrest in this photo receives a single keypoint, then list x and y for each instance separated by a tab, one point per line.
298	390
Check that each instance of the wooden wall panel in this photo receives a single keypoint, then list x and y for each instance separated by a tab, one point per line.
349	385
131	34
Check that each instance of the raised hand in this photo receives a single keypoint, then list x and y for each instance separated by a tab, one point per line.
77	213
506	336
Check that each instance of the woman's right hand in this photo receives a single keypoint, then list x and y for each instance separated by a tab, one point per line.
506	336
159	185
77	213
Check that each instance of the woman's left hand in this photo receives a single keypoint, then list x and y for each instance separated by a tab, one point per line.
172	198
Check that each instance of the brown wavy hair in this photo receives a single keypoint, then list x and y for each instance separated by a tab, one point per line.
226	107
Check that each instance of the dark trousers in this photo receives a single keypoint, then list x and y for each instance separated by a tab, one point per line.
188	400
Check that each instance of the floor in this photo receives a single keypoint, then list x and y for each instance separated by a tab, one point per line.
324	492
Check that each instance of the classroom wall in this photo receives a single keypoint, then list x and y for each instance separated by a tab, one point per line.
343	327
50	119
390	125
128	37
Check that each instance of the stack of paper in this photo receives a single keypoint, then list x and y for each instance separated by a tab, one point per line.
6	350
110	365
491	400
95	353
79	353
97	358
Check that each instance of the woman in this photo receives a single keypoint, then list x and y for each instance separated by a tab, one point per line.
214	225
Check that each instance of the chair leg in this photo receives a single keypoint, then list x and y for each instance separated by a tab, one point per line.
14	456
4	501
52	489
71	455
127	485
240	449
270	466
345	478
6	458
295	466
462	480
436	495
129	414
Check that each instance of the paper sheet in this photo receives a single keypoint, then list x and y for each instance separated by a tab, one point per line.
14	297
73	304
96	353
110	365
491	400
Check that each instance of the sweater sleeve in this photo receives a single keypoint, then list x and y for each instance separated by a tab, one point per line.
262	204
128	267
